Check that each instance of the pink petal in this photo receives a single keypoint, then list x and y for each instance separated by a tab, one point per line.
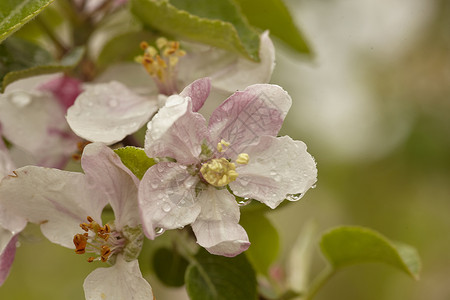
58	200
277	168
176	132
119	185
167	197
64	88
107	112
198	91
245	116
217	228
7	258
121	281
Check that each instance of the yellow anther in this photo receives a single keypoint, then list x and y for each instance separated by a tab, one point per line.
243	159
219	172
221	144
161	42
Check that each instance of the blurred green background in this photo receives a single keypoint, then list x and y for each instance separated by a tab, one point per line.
373	106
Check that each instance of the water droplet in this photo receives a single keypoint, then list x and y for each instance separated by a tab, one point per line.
277	178
90	104
20	99
273	173
294	197
181	227
166	207
159	231
245	201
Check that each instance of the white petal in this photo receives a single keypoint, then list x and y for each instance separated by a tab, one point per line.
107	112
243	72
6	163
34	121
167	197
277	167
175	131
105	170
121	281
58	200
217	228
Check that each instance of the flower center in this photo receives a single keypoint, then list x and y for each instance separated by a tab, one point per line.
99	240
160	63
220	171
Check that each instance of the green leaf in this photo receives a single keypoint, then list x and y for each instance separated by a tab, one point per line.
15	13
114	50
135	159
348	245
212	277
170	267
273	15
218	23
21	59
264	239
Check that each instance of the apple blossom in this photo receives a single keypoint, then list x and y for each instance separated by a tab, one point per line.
110	110
68	207
32	117
238	149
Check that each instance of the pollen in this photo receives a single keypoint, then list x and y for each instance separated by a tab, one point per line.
219	172
160	63
243	159
222	145
97	239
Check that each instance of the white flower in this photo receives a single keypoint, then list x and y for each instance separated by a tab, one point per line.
68	206
237	149
107	112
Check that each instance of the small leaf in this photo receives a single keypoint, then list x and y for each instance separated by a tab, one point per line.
135	159
264	239
348	245
213	277
218	23
114	50
15	13
170	267
273	15
20	59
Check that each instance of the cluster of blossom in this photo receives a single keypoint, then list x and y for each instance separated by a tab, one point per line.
201	166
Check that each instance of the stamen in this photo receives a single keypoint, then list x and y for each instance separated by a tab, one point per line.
104	241
243	159
219	172
221	144
161	63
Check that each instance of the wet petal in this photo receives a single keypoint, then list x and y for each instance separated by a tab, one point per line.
217	228
167	197
58	200
119	185
33	121
107	112
245	116
277	168
7	258
243	72
121	281
198	91
6	163
175	131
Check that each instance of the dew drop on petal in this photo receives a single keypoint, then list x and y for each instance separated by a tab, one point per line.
181	227
166	207
294	197
245	201
159	231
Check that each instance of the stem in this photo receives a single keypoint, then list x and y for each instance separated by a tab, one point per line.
319	281
62	49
